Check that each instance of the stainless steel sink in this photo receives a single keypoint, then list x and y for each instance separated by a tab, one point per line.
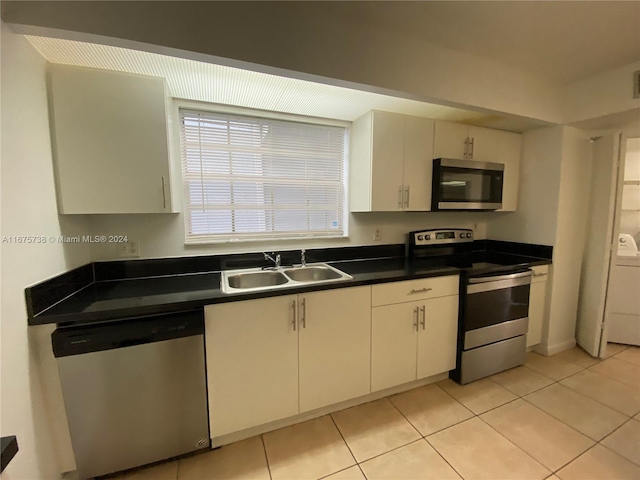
313	274
256	279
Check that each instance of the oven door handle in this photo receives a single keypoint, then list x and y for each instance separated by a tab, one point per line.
499	282
497	278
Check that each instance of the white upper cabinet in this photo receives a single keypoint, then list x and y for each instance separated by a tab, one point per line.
454	140
450	140
390	163
110	141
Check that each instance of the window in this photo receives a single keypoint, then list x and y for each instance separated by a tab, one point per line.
251	178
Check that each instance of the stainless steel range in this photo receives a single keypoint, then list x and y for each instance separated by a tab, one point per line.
494	303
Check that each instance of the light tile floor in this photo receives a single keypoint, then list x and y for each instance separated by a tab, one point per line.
565	417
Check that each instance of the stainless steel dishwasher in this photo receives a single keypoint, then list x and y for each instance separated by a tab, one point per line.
134	390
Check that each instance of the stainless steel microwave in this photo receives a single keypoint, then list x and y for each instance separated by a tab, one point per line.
466	185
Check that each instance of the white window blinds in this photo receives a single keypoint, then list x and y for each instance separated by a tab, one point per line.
251	178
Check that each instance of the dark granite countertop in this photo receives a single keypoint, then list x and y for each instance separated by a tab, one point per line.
122	298
8	450
114	299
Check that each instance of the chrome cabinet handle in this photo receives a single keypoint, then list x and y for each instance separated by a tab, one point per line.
164	194
400	197
303	317
465	155
406	191
424	315
472	143
293	306
421	290
416	315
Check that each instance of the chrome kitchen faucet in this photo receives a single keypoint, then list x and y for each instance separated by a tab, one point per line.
276	261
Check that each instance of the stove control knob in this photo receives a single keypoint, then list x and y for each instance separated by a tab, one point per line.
462	235
420	237
427	237
468	235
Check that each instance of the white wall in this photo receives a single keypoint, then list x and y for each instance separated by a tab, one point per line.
162	235
31	405
535	220
553	210
605	94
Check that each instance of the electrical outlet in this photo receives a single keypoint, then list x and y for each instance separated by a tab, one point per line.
377	235
130	249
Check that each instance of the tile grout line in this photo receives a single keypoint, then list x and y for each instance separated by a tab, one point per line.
266	457
442	456
344	440
404	416
392	450
512	443
424	436
574	459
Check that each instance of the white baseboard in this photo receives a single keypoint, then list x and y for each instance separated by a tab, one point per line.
285	422
548	350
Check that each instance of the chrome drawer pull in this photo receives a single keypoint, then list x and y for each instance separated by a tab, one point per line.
539	274
422	290
424	317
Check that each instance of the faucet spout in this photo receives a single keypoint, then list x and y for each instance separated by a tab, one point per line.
276	260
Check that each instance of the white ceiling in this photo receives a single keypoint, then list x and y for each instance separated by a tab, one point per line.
199	81
563	41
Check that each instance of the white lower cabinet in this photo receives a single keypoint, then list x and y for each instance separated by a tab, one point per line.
273	358
417	339
437	336
537	302
252	363
393	344
335	346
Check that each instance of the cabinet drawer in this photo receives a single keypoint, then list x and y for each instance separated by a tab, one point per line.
422	289
540	273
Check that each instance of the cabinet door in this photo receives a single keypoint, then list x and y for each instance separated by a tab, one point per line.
437	336
387	162
486	144
111	144
537	299
393	344
418	163
335	346
252	363
449	140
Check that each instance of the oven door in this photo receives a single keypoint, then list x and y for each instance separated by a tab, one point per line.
497	308
466	185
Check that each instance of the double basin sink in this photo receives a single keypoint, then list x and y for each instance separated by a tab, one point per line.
257	279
